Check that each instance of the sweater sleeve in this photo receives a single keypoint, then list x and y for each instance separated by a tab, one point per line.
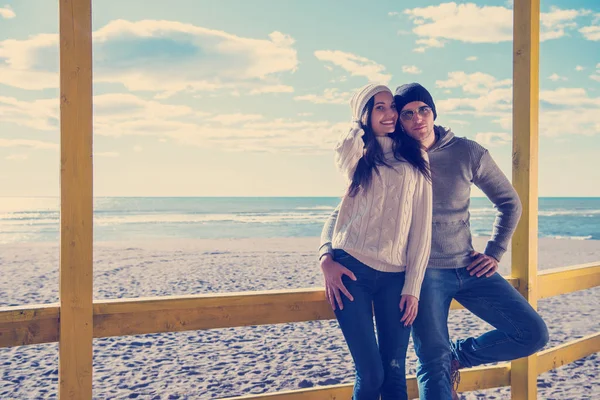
419	237
496	186
349	150
327	233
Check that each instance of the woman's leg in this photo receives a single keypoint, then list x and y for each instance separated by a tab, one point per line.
356	322
392	334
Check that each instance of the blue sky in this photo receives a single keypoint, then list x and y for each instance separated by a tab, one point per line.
247	98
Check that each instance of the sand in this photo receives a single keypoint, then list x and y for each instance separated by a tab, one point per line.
230	362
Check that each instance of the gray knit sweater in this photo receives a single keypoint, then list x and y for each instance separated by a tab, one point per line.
455	164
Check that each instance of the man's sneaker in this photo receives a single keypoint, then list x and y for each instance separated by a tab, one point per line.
454	378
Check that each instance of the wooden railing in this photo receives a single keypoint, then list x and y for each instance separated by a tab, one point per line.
40	323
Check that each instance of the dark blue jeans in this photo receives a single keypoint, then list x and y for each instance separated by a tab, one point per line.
519	330
379	360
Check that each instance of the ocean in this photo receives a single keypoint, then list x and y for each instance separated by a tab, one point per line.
36	219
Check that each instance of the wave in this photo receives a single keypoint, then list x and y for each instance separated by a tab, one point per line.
315	208
588	237
579	213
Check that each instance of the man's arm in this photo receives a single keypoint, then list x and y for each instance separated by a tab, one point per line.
496	186
327	233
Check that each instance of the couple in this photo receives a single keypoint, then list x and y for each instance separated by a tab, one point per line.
399	246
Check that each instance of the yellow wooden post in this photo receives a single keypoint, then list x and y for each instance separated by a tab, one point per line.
76	325
526	45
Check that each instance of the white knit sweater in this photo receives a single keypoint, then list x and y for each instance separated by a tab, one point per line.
388	226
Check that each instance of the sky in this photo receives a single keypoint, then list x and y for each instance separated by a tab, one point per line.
247	98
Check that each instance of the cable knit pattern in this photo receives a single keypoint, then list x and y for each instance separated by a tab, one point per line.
457	164
388	226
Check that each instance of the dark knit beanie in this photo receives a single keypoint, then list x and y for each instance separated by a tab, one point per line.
413	92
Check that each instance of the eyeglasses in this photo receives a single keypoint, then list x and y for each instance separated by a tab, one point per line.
407	115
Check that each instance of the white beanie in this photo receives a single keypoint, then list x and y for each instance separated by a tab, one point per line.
361	97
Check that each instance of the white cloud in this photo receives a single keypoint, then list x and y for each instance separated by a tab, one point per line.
138	148
7	12
459	122
579	68
592	32
119	115
235	119
475	83
107	154
329	96
471	58
411	69
17	157
563	111
596	76
471	23
491	139
39	114
555	77
355	65
159	56
32	144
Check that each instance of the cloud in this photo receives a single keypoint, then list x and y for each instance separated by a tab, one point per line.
579	68
555	77
471	23
17	157
159	56
411	69
592	32
32	144
138	148
329	96
596	76
235	119
355	65
39	114
563	111
492	139
107	154
471	58
119	115
7	12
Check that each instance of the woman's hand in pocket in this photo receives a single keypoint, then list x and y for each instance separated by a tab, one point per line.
333	272
410	305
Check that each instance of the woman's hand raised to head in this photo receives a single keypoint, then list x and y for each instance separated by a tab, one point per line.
333	272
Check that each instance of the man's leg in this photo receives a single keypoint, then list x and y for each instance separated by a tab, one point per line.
356	322
392	334
520	331
430	334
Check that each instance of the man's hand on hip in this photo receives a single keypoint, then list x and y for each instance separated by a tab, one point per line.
482	265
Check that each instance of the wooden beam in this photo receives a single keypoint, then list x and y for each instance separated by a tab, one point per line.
526	27
28	324
567	353
197	312
75	282
39	323
568	279
478	378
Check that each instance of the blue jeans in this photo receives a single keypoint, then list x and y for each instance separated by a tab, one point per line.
380	368
519	330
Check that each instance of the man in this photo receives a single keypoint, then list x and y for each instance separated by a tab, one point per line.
455	269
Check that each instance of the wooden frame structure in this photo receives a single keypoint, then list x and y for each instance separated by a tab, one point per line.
77	319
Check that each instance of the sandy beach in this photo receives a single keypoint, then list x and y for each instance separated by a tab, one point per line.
236	361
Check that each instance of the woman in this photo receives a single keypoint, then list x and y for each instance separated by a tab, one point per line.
383	238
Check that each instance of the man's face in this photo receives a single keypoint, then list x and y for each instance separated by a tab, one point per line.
417	120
